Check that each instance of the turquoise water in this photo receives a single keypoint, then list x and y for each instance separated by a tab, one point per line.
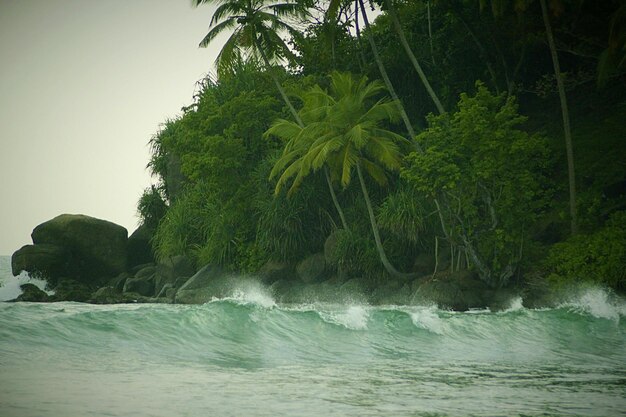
248	356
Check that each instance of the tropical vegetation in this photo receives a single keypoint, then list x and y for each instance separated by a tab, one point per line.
449	114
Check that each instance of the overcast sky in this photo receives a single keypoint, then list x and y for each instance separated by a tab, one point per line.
84	84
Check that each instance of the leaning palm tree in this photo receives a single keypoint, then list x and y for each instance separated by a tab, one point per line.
344	133
405	44
359	5
498	8
569	148
256	29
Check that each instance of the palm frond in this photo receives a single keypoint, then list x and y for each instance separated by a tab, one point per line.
283	129
374	171
348	160
231	9
230	51
216	30
289	10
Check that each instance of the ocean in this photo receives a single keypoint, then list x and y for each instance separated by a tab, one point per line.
246	355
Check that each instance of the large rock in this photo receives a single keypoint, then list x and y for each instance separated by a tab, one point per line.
32	293
330	246
172	271
208	283
274	271
458	291
72	290
140	285
43	260
98	247
139	247
312	268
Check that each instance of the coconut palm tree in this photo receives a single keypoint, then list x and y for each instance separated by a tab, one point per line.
569	148
256	28
498	8
359	5
344	133
405	44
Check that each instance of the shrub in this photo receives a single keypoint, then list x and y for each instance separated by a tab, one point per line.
598	258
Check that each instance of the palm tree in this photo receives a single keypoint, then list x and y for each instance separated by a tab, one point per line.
498	7
256	29
332	12
398	27
344	133
569	148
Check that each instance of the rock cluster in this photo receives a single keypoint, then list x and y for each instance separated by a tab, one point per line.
91	260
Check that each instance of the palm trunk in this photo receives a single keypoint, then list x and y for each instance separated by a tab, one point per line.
296	116
411	55
358	34
383	73
335	201
268	67
379	245
566	124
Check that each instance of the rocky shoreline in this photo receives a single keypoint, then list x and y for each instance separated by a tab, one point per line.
90	260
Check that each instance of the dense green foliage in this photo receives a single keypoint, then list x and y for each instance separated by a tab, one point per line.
598	257
258	167
488	176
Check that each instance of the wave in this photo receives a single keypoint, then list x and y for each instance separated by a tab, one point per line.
598	302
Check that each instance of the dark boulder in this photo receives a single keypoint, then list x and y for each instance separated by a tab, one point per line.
312	268
32	293
140	285
274	271
72	290
119	281
459	291
106	295
172	270
209	282
98	247
139	247
43	260
330	246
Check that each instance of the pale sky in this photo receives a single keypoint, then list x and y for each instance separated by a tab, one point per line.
84	84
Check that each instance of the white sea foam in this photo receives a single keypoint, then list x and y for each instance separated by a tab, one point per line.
10	286
426	318
252	292
598	302
354	317
515	304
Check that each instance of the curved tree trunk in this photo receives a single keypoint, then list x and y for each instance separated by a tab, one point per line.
383	73
335	201
296	116
379	245
411	55
566	124
268	67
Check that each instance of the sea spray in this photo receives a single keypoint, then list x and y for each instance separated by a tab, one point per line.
426	318
250	292
598	302
10	285
353	317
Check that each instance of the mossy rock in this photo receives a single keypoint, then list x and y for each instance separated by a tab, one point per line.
44	260
312	268
139	247
98	248
32	293
72	290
